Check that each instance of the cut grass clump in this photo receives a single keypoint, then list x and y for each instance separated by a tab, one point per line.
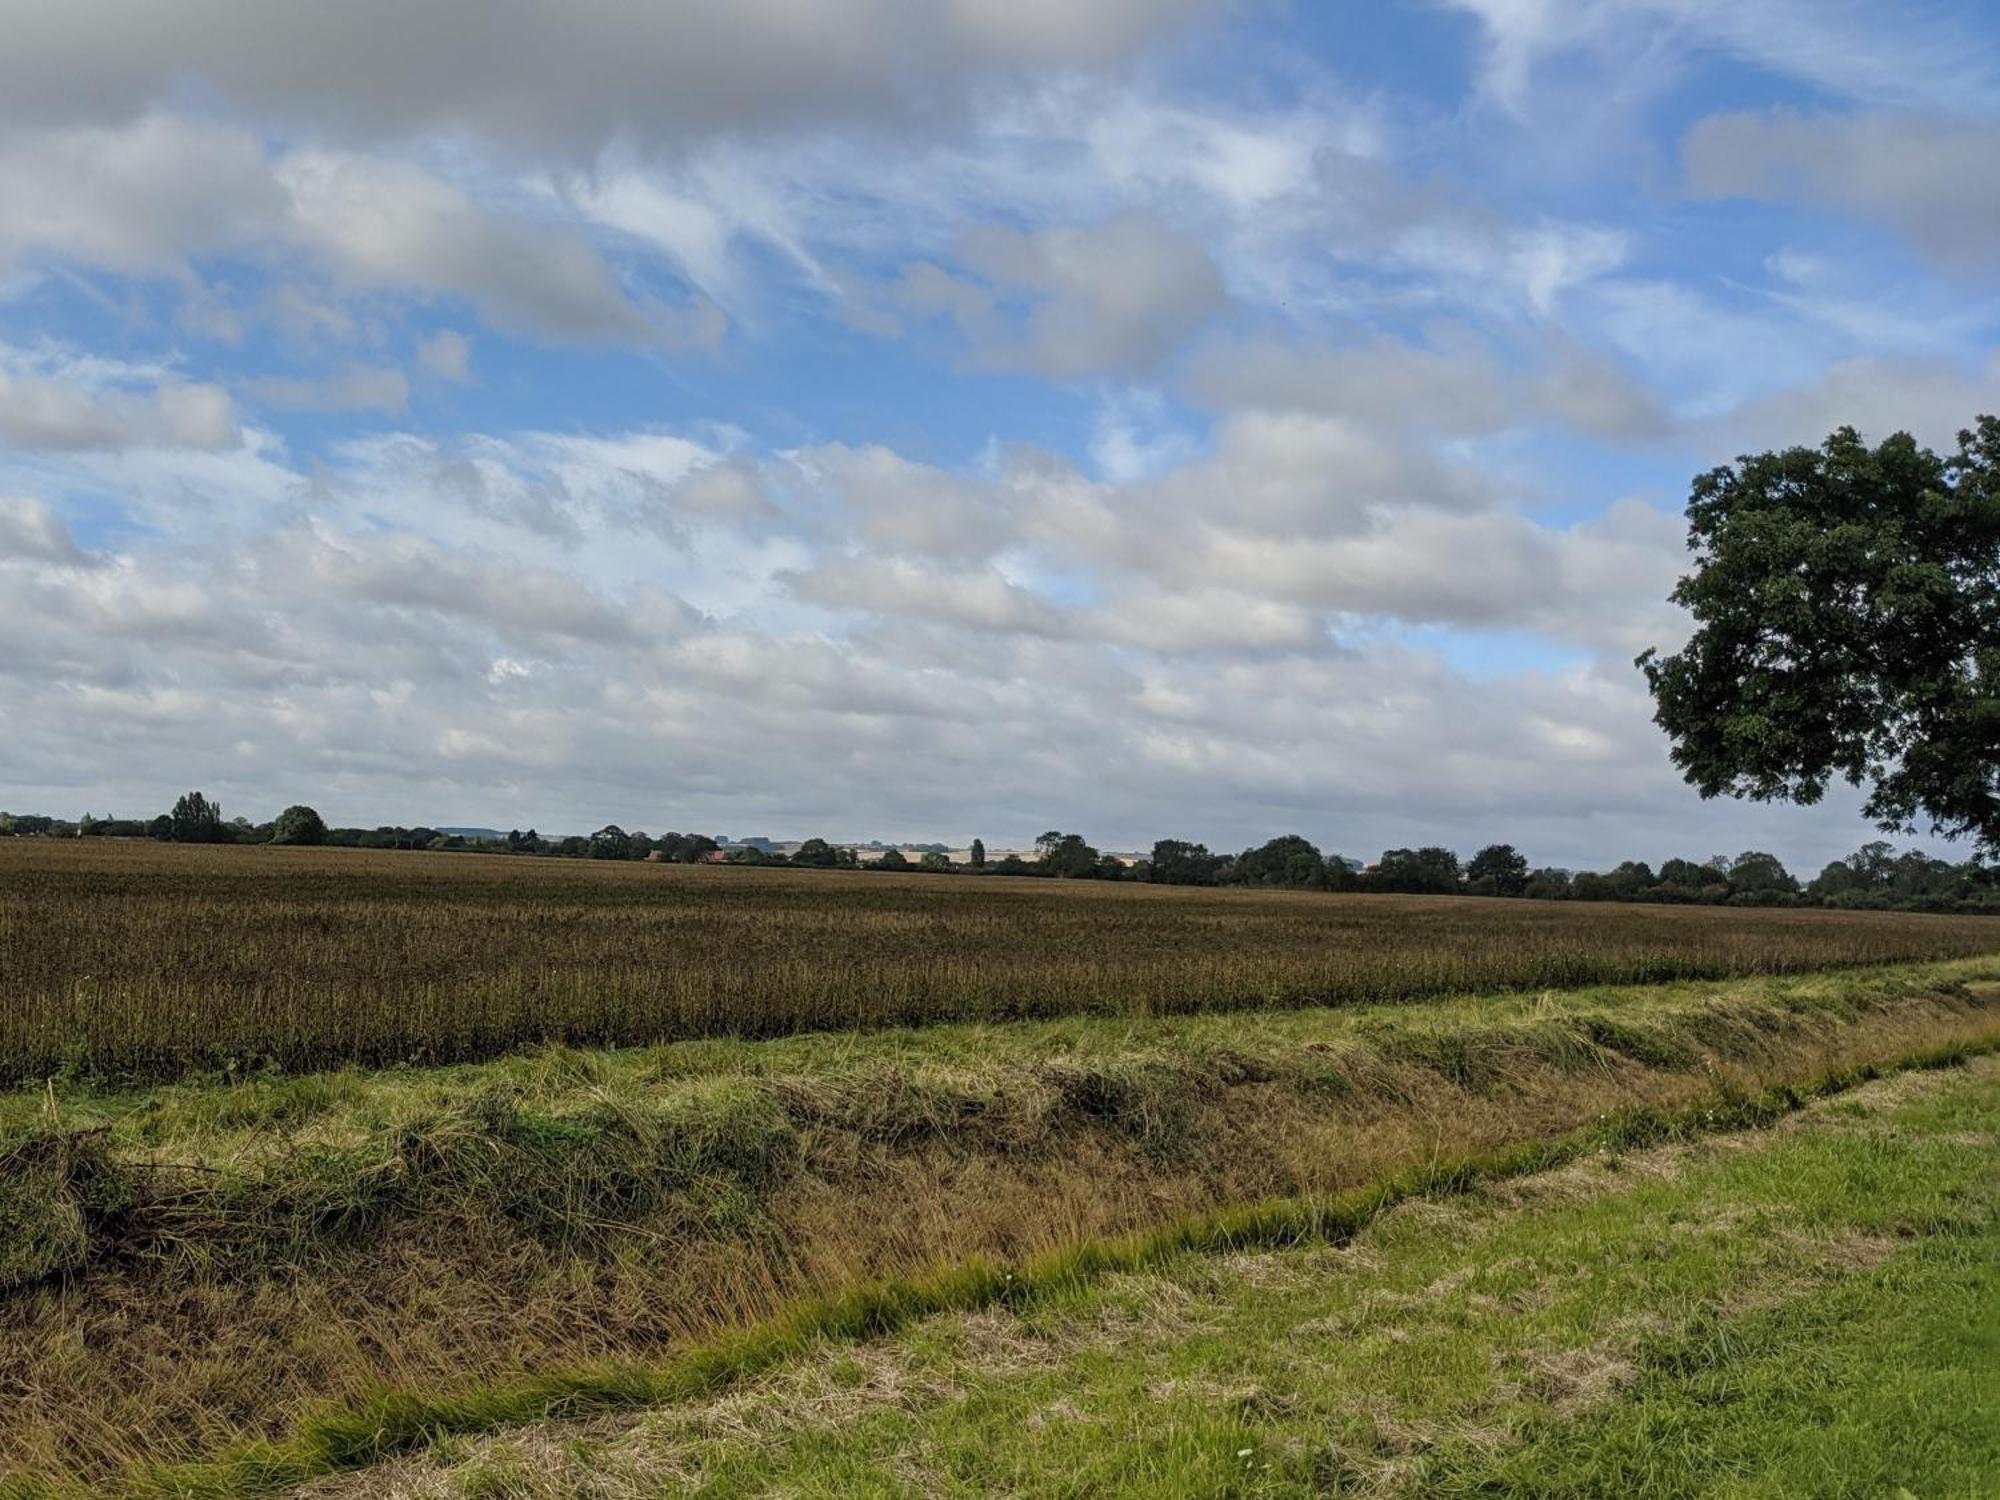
59	1196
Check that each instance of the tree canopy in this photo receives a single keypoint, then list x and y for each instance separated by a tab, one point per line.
298	824
196	820
1847	605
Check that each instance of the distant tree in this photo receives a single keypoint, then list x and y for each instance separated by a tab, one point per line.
1066	856
978	854
1289	860
1013	864
1428	871
934	859
610	842
196	820
1499	867
892	859
1178	862
1759	874
298	824
1685	874
1847	605
1630	878
1548	884
1836	881
816	854
686	848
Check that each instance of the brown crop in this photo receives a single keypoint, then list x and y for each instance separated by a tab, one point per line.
153	960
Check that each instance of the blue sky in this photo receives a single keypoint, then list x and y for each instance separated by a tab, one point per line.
930	418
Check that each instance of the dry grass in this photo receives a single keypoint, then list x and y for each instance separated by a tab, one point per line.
205	1319
1556	1353
152	960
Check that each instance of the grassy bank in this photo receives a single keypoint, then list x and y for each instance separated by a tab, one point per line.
193	1265
1805	1310
156	960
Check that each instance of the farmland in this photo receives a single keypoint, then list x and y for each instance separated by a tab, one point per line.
149	961
380	1173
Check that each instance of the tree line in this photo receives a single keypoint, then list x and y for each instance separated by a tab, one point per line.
1874	877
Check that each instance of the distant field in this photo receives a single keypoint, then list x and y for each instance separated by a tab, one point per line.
153	960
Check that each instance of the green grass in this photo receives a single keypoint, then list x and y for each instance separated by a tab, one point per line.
567	1147
1881	1384
231	1117
1808	1311
1221	1355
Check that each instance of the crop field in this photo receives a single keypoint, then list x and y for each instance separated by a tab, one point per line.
334	1174
149	960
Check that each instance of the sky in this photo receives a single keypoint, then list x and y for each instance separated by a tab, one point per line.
935	418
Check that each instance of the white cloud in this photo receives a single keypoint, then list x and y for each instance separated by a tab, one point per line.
1859	48
30	530
1111	298
1931	180
446	355
378	388
61	412
550	77
1932	399
380	672
138	197
163	192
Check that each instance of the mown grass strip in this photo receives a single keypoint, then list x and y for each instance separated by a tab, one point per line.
395	1422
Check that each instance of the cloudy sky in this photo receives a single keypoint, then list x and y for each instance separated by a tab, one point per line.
928	418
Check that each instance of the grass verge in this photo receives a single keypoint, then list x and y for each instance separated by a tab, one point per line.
1788	1311
395	1423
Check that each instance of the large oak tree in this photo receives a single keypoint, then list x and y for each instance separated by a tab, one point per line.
1847	605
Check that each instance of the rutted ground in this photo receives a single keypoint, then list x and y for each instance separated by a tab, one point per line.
196	1264
1805	1310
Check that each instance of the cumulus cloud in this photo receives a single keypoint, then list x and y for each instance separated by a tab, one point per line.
1457	383
1110	298
1928	179
446	355
144	196
548	76
384	664
1929	398
158	194
54	413
31	531
1325	544
380	223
